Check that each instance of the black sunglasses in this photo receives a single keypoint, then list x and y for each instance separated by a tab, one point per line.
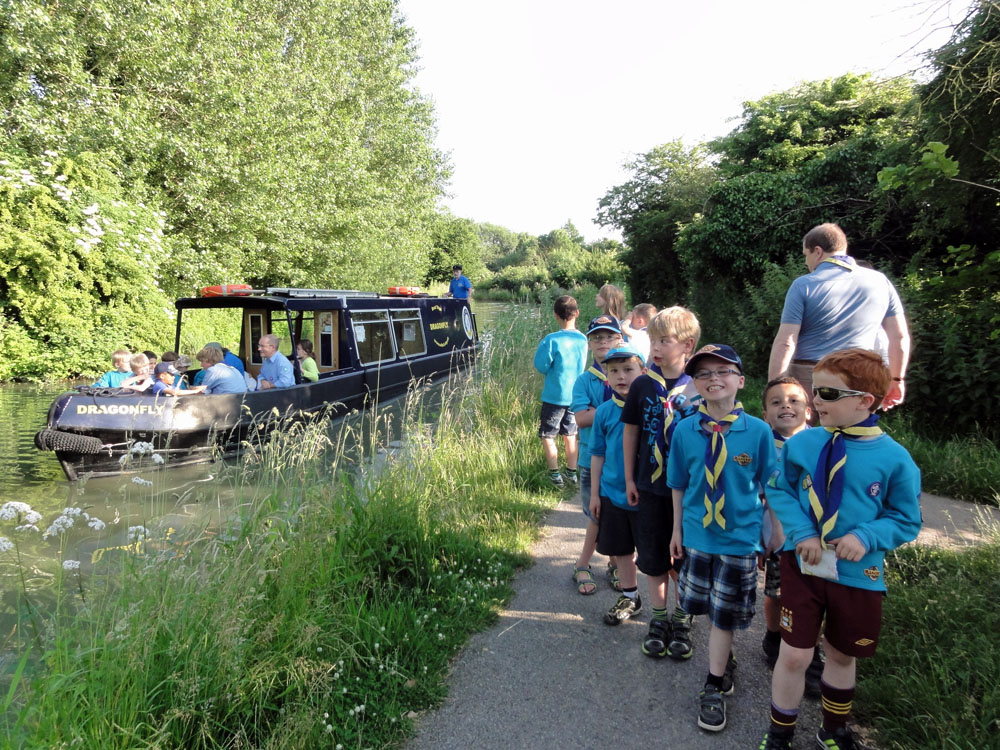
827	393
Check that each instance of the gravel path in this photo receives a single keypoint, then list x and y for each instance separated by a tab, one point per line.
550	675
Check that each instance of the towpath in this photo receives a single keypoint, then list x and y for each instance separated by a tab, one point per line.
550	675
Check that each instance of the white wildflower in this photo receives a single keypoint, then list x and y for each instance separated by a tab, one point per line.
141	448
71	564
61	178
141	482
26	527
61	524
92	209
96	524
137	533
73	512
329	728
157	458
11	510
6	544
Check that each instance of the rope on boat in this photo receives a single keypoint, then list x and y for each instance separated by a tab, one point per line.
66	442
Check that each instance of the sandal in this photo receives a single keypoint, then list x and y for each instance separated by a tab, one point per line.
612	575
584	581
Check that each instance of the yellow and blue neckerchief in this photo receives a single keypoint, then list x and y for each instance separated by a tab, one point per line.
597	372
668	398
715	462
827	488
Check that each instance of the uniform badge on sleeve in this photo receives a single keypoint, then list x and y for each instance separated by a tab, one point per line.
873	572
874	489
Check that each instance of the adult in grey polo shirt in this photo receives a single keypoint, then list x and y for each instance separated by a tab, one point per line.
838	305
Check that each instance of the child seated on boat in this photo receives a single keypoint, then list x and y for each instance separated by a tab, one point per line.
219	377
140	379
113	378
307	362
163	382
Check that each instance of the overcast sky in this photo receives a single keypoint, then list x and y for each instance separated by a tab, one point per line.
539	103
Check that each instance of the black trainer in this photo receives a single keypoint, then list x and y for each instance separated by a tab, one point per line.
775	741
840	738
814	674
657	639
680	647
711	709
623	609
771	651
729	676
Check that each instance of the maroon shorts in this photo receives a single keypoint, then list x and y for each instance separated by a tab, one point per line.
853	615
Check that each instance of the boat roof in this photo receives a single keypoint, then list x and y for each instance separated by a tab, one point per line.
288	298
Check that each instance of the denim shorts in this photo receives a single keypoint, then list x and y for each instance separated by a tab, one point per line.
724	587
556	420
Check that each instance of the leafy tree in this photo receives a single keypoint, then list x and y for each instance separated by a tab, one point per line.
454	241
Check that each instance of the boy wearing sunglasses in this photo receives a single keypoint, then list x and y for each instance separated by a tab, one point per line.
719	460
845	495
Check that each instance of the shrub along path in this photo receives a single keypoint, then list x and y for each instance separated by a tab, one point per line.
549	674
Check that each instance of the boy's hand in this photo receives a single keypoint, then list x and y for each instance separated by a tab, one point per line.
631	492
810	550
849	547
677	545
595	507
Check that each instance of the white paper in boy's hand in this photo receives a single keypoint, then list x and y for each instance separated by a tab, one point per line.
826	568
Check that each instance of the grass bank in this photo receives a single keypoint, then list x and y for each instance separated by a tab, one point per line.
933	682
325	612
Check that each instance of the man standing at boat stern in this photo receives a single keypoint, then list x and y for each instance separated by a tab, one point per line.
460	286
275	370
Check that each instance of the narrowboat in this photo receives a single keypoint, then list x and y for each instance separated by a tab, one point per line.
368	347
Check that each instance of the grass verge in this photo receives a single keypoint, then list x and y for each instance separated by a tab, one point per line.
326	610
932	683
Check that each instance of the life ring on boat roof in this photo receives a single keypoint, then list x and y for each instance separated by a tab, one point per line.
404	291
226	290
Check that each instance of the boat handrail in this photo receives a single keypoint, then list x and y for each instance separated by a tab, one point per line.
282	291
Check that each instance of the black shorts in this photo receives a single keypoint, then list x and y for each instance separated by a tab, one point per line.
616	529
853	615
653	531
556	420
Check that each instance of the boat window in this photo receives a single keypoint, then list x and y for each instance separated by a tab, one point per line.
279	327
409	332
326	345
256	322
373	336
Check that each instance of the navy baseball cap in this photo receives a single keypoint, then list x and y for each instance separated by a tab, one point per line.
625	351
163	367
721	351
605	323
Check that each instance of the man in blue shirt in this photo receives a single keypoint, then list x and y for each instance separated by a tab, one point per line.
460	287
275	371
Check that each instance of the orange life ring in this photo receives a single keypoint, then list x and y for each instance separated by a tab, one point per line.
226	290
404	291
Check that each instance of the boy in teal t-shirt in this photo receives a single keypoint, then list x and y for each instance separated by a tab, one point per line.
561	357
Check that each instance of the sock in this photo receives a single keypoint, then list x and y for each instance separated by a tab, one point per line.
680	614
783	720
836	706
631	593
571	472
773	637
554	473
714	680
660	613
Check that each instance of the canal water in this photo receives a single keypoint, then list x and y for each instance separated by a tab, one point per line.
169	505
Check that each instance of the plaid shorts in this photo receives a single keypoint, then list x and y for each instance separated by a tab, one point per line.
724	587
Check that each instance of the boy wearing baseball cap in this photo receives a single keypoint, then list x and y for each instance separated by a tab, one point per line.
719	460
608	504
590	391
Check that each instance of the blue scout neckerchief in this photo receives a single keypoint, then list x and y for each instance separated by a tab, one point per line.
597	372
715	462
619	401
844	261
779	440
827	487
667	398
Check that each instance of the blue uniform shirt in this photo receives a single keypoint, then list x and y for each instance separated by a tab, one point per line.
880	504
112	379
606	440
561	357
751	460
460	287
588	392
221	378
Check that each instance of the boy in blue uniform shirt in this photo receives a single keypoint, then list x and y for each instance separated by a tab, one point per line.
616	519
845	495
656	403
590	391
561	357
719	460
